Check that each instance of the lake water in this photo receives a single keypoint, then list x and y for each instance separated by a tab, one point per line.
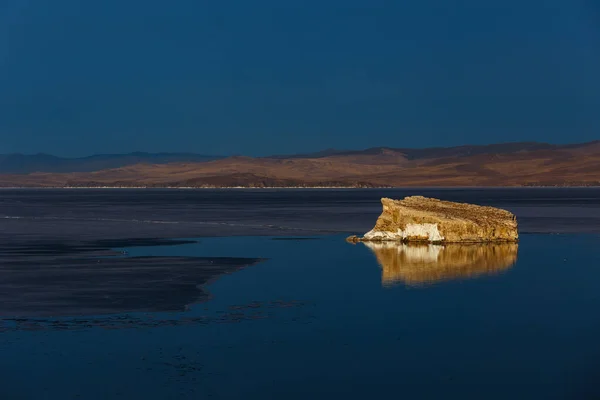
96	304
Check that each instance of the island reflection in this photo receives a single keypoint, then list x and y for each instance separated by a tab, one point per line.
422	264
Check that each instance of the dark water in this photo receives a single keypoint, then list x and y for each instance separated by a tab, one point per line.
93	214
97	305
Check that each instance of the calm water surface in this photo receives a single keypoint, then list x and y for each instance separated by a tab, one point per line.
284	315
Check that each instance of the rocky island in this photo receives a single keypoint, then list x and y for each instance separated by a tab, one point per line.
422	219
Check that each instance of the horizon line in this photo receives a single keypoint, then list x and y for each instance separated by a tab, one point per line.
316	152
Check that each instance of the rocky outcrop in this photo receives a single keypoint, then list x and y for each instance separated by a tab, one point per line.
423	264
422	219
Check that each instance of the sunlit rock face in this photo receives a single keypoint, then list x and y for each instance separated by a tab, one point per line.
422	219
422	264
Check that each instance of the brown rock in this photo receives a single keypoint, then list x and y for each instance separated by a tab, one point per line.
421	219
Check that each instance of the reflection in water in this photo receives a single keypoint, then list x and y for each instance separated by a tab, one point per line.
429	263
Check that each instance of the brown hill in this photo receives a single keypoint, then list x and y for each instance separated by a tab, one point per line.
512	164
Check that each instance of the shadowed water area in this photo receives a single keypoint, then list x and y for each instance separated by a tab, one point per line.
128	294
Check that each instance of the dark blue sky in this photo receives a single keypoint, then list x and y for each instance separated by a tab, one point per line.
272	76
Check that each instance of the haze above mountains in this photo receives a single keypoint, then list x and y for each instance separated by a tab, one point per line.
27	163
505	164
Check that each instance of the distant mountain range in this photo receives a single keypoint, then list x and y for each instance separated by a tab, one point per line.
437	152
24	163
505	164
